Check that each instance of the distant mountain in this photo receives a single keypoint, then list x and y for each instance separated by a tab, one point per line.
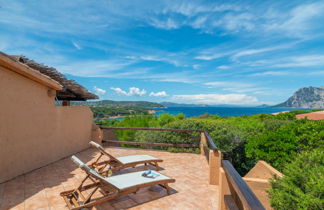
263	106
307	97
145	104
171	104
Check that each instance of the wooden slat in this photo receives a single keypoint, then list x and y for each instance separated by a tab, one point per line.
67	202
150	129
151	144
74	201
245	194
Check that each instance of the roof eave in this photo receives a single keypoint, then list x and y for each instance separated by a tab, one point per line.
28	72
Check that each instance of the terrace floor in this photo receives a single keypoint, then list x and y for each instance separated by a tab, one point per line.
40	188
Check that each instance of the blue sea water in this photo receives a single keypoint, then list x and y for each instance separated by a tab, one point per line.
221	111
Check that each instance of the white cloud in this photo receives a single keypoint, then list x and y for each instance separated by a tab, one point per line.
133	91
213	99
193	8
227	84
99	91
300	21
317	73
271	73
164	24
183	77
161	59
236	22
237	87
302	61
208	57
223	67
214	53
76	45
159	94
93	68
261	50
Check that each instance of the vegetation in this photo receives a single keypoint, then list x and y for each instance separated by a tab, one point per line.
302	187
110	103
280	145
243	140
105	112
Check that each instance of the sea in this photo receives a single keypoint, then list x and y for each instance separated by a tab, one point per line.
221	111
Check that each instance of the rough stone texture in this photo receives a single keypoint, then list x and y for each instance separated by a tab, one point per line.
40	189
307	97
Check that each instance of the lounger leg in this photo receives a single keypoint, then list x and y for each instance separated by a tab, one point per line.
157	166
167	189
166	186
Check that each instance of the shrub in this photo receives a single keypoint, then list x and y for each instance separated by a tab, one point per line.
279	145
302	187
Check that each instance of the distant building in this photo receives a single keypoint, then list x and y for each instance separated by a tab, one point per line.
312	116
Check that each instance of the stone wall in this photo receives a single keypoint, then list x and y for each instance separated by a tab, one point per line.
33	131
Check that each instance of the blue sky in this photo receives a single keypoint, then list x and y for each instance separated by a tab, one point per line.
210	52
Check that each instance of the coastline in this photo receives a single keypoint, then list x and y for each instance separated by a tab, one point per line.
123	116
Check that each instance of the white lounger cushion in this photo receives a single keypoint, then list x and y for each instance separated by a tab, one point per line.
125	181
136	158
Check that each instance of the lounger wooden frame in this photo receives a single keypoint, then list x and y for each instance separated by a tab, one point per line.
115	163
75	199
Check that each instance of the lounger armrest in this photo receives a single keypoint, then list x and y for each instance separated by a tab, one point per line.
77	161
94	144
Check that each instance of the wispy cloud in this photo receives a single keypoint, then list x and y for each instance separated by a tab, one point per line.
93	68
133	91
236	22
193	45
214	99
223	67
249	52
300	21
301	61
227	84
271	73
76	45
165	59
319	73
164	24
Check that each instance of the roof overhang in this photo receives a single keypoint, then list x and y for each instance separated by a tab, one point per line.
28	72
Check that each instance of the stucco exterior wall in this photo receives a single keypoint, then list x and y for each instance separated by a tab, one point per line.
33	131
258	180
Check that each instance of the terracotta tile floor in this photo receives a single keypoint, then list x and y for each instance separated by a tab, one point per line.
40	189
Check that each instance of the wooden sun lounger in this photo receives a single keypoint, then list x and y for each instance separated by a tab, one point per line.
118	163
110	188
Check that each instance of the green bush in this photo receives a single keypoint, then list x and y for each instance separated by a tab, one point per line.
243	140
302	187
278	146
